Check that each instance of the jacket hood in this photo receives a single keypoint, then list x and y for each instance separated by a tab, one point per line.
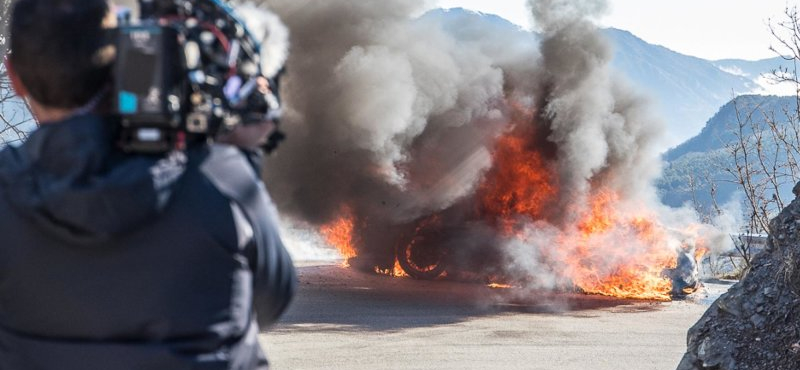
70	180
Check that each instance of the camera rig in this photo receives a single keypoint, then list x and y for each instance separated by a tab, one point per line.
187	71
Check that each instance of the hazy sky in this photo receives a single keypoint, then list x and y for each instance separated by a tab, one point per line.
711	29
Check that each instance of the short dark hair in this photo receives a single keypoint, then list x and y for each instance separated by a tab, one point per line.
56	48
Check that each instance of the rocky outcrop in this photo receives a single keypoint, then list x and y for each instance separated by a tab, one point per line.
756	324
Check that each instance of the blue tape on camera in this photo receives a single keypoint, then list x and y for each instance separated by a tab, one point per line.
128	102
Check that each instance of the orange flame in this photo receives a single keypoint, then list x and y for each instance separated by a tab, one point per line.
700	252
618	255
606	252
396	271
340	234
518	184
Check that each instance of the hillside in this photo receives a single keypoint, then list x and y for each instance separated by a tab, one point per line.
718	130
692	166
685	89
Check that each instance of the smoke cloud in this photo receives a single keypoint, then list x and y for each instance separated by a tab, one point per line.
602	128
390	116
395	117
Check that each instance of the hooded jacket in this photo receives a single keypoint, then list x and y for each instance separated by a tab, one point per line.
114	261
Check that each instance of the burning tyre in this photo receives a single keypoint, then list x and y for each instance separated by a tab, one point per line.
446	245
422	257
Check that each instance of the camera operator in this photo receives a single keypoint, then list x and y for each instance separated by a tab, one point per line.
111	260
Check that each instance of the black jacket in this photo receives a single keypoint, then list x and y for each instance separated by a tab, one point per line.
115	262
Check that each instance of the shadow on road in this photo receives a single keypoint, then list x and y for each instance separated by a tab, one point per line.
338	299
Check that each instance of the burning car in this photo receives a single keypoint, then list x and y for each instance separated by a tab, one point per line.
467	250
606	247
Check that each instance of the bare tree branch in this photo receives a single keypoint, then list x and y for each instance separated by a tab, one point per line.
765	151
15	118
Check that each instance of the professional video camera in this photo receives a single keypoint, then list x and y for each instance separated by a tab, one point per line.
188	71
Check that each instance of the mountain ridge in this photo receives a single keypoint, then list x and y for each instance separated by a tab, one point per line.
685	90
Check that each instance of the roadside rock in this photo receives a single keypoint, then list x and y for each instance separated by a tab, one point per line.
756	325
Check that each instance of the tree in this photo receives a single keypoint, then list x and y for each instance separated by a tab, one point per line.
765	151
15	118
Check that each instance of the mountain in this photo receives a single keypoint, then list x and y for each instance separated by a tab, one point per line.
686	90
456	20
752	69
763	72
470	27
701	161
720	129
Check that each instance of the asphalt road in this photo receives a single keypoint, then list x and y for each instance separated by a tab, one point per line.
344	319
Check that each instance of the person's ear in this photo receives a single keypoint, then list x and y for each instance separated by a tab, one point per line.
19	88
